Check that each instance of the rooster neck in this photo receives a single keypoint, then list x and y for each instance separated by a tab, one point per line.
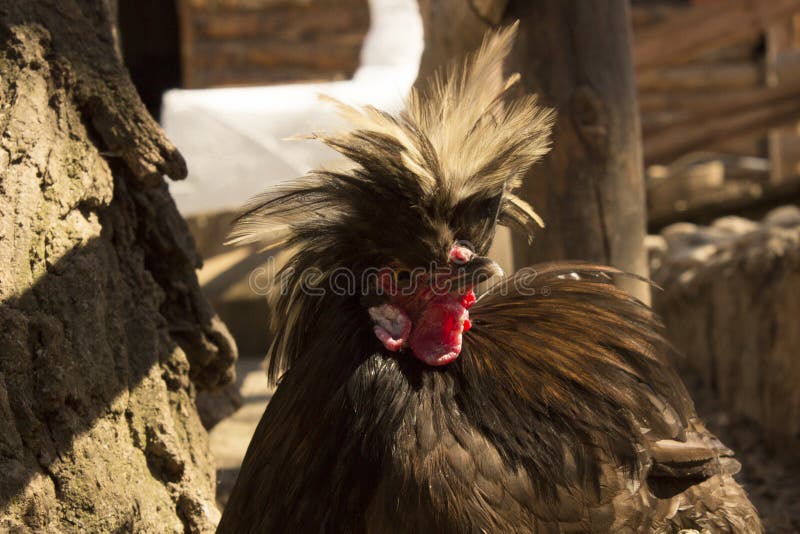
407	419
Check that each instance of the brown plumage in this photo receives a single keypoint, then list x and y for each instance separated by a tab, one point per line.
557	413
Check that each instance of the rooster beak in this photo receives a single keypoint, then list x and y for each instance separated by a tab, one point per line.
477	270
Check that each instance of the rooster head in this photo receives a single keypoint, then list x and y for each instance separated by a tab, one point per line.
413	218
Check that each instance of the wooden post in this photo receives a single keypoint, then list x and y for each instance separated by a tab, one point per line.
453	28
576	54
783	59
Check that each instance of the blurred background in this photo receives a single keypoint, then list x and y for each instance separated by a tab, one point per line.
718	99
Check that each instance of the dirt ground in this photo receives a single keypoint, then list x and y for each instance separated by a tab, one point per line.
230	438
772	479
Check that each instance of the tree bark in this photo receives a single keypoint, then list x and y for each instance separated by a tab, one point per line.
576	54
104	334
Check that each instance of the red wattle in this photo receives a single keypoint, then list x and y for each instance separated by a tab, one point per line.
436	334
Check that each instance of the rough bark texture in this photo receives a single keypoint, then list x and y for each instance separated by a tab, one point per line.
731	300
576	54
104	335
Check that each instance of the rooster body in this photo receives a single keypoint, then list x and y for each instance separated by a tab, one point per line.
547	405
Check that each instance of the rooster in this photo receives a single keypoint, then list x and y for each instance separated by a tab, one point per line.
546	404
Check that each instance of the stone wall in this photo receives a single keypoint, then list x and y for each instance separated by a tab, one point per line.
731	303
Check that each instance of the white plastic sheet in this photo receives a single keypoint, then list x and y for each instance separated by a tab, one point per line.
234	139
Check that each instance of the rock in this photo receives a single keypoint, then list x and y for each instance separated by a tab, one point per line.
785	216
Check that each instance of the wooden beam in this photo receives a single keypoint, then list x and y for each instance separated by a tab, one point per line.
702	77
689	109
740	196
686	35
726	116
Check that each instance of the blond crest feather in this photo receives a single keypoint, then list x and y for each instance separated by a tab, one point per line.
461	136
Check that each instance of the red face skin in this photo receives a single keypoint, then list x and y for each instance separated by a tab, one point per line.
431	324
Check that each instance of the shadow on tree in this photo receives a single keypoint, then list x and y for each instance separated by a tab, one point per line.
99	358
105	337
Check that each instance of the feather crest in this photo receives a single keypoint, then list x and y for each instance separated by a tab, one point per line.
462	137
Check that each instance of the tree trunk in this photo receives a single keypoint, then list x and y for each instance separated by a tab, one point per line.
576	54
104	335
